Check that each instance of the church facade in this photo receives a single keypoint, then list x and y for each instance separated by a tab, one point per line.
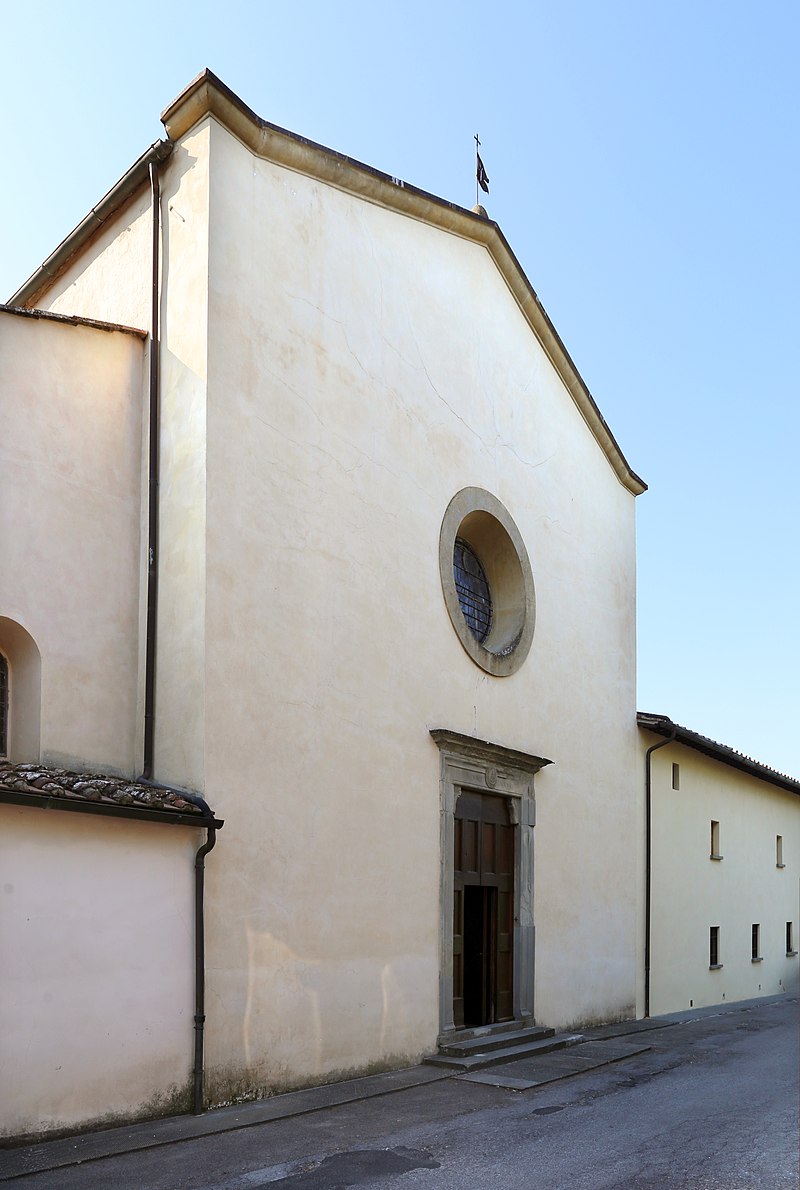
351	563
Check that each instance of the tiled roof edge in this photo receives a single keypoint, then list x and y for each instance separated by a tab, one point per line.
96	793
72	320
664	726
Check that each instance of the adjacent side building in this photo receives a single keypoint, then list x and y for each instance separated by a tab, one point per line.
724	872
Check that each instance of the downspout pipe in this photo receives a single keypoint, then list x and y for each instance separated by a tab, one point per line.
153	458
150	645
200	968
648	786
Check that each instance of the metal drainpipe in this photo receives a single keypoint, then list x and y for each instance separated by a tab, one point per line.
150	648
648	864
152	533
200	968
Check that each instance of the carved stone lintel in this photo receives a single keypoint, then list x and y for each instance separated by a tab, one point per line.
494	755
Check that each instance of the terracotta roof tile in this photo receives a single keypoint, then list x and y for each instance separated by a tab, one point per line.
664	726
40	781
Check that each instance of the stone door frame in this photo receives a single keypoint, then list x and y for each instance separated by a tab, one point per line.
467	763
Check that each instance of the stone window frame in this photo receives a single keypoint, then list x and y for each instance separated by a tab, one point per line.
511	585
467	763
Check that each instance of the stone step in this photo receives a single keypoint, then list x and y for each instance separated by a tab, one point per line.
510	1053
513	1026
462	1047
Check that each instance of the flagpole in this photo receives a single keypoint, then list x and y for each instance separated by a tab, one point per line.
477	146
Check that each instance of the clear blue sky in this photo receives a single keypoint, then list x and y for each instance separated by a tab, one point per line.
644	166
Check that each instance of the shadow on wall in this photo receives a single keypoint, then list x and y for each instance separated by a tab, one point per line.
24	700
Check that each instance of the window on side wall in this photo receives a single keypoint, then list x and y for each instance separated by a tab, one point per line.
779	852
790	950
20	692
713	948
755	943
715	851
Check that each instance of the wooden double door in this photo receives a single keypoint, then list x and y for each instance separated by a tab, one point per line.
483	911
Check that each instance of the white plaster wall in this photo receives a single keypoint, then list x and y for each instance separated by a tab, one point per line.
180	689
111	279
97	991
691	892
363	367
70	453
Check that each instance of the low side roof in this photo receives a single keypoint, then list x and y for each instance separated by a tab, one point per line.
662	725
207	95
71	320
93	793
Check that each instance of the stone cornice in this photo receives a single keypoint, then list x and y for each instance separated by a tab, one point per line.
208	96
483	750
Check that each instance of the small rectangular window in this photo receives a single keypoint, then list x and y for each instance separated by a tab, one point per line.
779	851
676	776
755	942
789	937
713	947
715	852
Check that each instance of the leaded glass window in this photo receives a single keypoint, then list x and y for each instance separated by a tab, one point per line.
472	586
3	706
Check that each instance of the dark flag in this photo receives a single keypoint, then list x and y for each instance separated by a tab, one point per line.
482	176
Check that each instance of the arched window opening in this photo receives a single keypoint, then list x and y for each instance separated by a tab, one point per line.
20	680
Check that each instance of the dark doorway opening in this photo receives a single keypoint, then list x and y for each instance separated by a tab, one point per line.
480	927
483	911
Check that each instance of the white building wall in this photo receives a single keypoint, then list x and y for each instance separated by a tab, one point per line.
363	367
692	892
71	415
97	995
181	666
111	279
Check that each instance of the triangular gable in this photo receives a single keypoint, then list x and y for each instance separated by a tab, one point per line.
208	96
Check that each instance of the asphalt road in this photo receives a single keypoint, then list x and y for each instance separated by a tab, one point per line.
712	1105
